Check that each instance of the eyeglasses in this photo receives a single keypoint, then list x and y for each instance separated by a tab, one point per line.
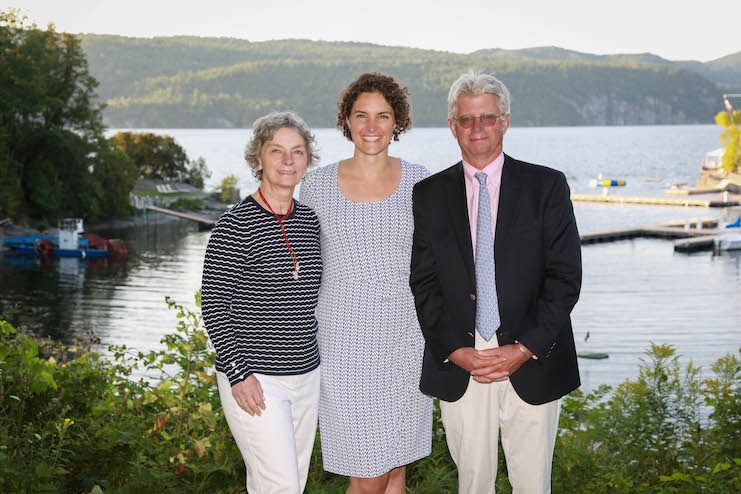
487	120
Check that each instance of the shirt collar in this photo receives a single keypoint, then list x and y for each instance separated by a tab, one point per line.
493	170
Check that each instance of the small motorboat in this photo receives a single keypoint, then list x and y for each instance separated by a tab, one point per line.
71	242
728	241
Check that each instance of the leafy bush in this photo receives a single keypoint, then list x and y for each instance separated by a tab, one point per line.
72	425
186	204
665	431
71	421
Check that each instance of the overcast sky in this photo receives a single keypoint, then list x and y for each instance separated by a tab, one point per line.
672	29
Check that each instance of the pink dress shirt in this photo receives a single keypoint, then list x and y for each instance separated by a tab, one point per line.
494	178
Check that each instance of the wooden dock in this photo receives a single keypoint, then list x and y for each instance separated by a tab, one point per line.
610	235
706	223
692	191
645	232
656	201
201	220
685	240
703	242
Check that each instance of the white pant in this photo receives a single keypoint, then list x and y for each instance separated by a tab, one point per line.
276	446
472	426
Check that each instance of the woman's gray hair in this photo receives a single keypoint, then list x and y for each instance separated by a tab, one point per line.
264	129
475	84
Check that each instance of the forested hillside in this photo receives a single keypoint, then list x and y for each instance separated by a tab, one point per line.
224	82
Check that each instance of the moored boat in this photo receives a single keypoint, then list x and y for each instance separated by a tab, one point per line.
728	241
731	239
71	242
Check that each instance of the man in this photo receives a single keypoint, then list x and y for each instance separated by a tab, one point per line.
496	252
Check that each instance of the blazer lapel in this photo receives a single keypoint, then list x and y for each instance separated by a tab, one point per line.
459	217
509	195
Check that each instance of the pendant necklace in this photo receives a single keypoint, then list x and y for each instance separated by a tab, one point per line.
283	231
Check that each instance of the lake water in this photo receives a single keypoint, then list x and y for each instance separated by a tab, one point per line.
635	292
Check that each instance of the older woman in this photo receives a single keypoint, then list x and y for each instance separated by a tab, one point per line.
373	420
261	276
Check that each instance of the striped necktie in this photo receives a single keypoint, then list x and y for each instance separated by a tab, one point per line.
487	305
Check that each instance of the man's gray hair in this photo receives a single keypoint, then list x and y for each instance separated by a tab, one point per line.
264	130
475	84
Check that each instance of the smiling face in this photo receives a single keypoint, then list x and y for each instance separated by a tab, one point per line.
371	123
480	145
283	159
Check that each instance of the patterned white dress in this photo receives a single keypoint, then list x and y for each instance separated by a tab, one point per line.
372	416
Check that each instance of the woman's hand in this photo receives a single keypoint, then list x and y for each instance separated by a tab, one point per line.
248	394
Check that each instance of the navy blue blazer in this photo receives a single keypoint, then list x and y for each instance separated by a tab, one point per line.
538	272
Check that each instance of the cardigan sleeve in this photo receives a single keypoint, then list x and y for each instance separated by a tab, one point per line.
222	266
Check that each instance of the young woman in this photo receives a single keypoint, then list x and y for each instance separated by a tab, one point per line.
373	420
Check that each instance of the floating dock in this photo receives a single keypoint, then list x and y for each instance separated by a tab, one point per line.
685	239
704	242
656	201
201	220
692	191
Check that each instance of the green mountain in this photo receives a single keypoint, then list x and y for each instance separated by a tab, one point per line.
726	71
225	82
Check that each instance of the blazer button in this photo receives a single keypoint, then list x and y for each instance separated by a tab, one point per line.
473	297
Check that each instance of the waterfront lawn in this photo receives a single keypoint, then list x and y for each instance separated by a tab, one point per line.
71	421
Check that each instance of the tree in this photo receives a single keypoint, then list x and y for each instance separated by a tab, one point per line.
197	173
54	158
731	138
160	157
229	193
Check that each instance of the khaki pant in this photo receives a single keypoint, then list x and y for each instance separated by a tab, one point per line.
472	426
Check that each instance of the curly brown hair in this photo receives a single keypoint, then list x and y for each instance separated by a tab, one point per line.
373	82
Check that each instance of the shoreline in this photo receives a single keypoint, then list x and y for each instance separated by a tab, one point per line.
213	208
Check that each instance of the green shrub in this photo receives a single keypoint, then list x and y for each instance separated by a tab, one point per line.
186	204
68	426
71	421
666	431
